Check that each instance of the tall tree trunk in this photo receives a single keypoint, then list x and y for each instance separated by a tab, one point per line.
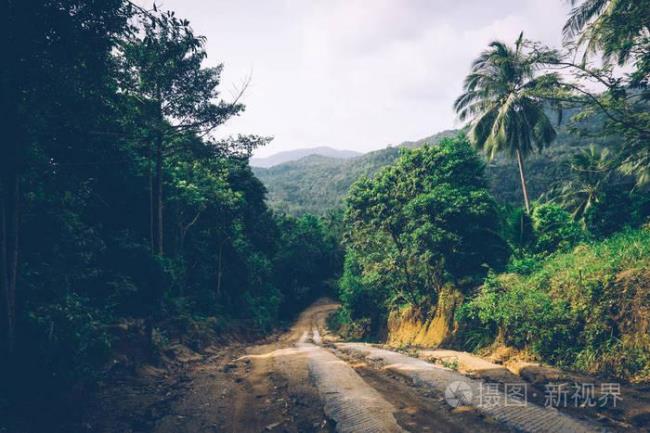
183	229
158	187
14	139
159	195
522	174
159	198
182	233
152	209
157	225
220	269
9	220
13	265
4	272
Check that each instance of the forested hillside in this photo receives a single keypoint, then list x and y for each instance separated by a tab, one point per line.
123	223
316	184
519	238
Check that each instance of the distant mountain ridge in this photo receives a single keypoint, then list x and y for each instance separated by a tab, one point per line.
294	155
316	184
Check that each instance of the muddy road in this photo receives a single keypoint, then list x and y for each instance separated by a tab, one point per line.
305	381
301	383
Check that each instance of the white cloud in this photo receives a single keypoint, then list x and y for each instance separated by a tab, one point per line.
355	74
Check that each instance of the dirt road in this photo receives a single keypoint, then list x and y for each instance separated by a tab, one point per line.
295	384
306	381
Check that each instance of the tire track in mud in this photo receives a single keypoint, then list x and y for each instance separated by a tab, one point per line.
361	398
354	405
528	418
381	404
348	400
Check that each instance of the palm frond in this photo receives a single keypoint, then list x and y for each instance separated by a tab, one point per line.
580	16
482	127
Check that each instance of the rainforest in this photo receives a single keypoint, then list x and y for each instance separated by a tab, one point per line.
155	278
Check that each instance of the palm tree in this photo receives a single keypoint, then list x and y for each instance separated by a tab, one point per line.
500	99
592	171
613	27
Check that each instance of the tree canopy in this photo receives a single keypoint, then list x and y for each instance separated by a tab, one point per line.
108	110
423	222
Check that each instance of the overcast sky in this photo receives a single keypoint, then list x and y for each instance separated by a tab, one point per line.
355	74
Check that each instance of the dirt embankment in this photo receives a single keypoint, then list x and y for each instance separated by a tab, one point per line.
414	327
415	332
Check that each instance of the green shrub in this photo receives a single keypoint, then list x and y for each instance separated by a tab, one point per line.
71	338
555	229
362	298
578	309
262	311
609	214
641	207
341	323
524	265
531	318
517	227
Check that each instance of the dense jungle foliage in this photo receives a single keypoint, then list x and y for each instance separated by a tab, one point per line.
569	290
124	223
552	260
119	214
